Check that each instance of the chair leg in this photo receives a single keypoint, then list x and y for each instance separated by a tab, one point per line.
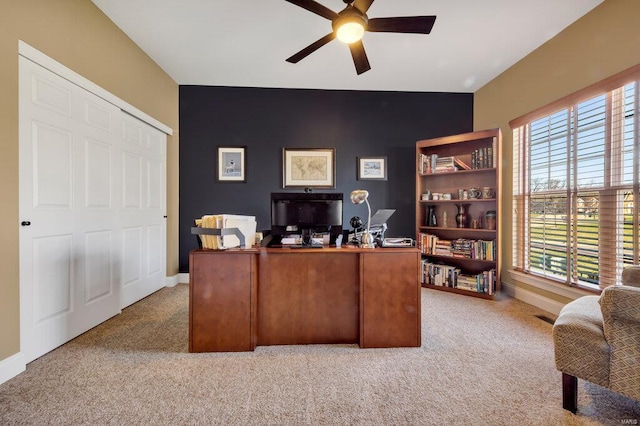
569	392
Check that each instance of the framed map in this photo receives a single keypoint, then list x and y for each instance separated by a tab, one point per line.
308	168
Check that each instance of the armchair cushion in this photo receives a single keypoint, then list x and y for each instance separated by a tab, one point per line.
580	346
620	307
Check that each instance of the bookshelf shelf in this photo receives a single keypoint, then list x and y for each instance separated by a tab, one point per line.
455	259
461	231
457	201
458	172
446	168
460	291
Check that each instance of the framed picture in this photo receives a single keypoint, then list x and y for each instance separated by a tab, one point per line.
308	167
231	164
374	168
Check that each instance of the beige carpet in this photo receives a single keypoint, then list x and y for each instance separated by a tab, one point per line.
481	363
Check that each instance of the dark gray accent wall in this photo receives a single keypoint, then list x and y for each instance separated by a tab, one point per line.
355	123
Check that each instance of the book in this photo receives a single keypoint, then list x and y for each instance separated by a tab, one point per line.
461	165
429	164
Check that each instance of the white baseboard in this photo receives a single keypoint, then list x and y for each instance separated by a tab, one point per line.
177	279
171	281
12	366
544	303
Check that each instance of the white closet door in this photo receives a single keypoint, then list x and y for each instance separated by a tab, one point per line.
143	159
69	199
92	207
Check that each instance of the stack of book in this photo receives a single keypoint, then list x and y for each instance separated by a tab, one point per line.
462	248
429	164
471	249
440	275
485	250
483	158
452	277
426	243
442	247
484	282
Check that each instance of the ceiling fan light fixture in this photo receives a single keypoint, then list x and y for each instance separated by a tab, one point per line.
350	25
350	32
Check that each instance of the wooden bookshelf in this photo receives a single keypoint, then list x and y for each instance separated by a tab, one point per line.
477	246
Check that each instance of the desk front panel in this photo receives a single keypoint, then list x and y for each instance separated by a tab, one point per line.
390	292
308	297
222	293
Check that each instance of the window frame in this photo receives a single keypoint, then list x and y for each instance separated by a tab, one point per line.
613	187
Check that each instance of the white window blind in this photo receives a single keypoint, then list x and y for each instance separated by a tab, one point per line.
575	185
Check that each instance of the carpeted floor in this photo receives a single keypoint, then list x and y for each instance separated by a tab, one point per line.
481	362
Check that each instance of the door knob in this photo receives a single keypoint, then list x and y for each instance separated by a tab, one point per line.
25	223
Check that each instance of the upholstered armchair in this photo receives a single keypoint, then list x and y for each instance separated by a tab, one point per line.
597	338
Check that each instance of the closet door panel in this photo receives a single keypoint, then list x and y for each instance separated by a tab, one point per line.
68	272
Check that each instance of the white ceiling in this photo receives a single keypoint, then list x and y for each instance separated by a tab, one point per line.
245	43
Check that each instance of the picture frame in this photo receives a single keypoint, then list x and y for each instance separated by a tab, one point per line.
231	164
372	168
308	168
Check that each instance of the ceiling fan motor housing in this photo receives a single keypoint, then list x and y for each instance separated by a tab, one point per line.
350	15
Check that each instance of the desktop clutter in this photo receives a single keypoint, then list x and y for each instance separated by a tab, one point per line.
300	220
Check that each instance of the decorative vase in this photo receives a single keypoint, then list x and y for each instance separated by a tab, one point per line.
431	216
462	217
490	217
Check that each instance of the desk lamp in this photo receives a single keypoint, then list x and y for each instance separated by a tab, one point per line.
359	196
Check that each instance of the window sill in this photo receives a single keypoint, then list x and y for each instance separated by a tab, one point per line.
550	286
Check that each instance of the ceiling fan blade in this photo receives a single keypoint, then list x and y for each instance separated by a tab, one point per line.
405	24
316	8
359	57
311	48
362	5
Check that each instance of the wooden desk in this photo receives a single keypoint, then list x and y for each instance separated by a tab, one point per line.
240	298
222	300
308	296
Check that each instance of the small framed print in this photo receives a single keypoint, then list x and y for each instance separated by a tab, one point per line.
374	168
232	164
308	168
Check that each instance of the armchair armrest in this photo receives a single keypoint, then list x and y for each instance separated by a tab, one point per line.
620	306
631	276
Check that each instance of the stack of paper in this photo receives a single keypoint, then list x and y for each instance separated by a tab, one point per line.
246	225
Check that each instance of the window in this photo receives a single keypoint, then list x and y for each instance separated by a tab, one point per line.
575	185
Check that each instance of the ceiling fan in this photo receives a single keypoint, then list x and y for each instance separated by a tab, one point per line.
350	24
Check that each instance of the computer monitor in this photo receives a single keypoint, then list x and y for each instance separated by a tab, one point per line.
304	213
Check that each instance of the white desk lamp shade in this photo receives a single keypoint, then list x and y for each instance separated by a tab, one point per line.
359	196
